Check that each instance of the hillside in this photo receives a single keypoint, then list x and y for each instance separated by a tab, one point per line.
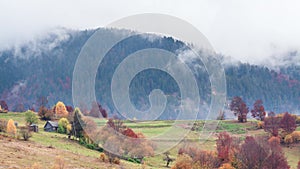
44	69
20	154
44	148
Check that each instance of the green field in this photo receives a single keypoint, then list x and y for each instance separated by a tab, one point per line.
17	117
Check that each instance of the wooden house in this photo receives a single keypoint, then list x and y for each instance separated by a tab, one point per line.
51	126
34	128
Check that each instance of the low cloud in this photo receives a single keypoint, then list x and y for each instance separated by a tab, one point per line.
248	31
43	43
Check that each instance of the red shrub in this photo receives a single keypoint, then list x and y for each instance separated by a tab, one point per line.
223	146
272	125
129	133
288	123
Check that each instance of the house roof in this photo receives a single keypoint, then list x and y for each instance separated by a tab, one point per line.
52	123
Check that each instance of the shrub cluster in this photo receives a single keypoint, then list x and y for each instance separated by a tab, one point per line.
253	152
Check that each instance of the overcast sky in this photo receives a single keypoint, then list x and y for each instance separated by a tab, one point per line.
250	30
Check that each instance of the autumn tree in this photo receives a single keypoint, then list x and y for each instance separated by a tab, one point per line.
239	108
258	153
120	139
45	113
63	124
60	110
3	105
224	142
288	123
134	144
30	117
276	158
11	128
252	153
258	110
272	125
183	161
201	158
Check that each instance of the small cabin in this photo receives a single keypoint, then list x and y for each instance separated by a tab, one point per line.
34	128
51	126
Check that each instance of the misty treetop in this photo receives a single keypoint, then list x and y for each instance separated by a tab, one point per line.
31	74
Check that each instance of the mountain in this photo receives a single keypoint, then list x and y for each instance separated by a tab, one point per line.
44	69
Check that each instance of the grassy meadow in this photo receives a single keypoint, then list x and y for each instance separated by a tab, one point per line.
72	150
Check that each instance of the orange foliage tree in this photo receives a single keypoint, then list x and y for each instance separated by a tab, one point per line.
200	158
11	128
60	110
183	161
